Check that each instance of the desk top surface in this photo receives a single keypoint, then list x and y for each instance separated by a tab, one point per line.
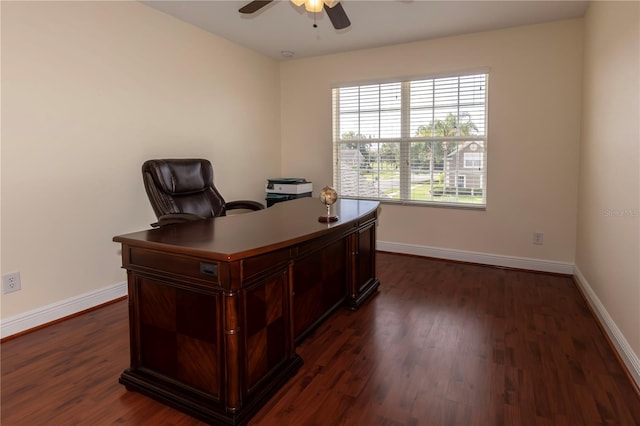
243	235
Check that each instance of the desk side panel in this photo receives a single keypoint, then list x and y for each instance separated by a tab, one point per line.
179	336
267	332
319	285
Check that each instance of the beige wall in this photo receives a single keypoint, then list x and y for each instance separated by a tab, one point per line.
89	91
608	228
533	140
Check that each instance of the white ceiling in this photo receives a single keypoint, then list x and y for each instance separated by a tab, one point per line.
281	26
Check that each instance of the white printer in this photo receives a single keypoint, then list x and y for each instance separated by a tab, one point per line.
283	189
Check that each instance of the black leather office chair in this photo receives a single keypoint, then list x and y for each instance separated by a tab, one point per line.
182	190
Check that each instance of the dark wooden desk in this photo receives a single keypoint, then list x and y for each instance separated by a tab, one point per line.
216	307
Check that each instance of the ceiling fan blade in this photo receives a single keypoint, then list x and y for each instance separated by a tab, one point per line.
254	6
338	16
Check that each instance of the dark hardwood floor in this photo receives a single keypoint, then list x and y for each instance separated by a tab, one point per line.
440	344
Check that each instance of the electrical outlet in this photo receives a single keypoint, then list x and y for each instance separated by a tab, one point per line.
11	282
538	238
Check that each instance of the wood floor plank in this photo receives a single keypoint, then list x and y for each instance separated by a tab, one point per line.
441	343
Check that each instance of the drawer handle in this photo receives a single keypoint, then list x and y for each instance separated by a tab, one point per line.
210	269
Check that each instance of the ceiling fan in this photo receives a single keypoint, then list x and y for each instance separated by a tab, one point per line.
334	9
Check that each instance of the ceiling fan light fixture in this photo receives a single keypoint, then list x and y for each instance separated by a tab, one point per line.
314	6
335	12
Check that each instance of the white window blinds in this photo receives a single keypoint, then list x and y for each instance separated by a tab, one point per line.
420	141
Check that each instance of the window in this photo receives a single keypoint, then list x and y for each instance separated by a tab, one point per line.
419	141
472	160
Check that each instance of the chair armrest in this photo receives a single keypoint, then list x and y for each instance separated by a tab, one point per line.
173	218
244	204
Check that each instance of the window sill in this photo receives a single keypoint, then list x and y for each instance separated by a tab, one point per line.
440	205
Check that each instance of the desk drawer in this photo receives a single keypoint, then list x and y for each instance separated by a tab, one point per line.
256	267
185	266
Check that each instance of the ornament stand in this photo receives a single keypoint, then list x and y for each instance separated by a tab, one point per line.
328	218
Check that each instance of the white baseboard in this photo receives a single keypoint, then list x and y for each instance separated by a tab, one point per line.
58	310
623	348
481	258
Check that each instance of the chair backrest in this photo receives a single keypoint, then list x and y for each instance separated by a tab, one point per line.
182	186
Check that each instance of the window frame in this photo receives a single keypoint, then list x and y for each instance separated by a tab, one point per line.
405	141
